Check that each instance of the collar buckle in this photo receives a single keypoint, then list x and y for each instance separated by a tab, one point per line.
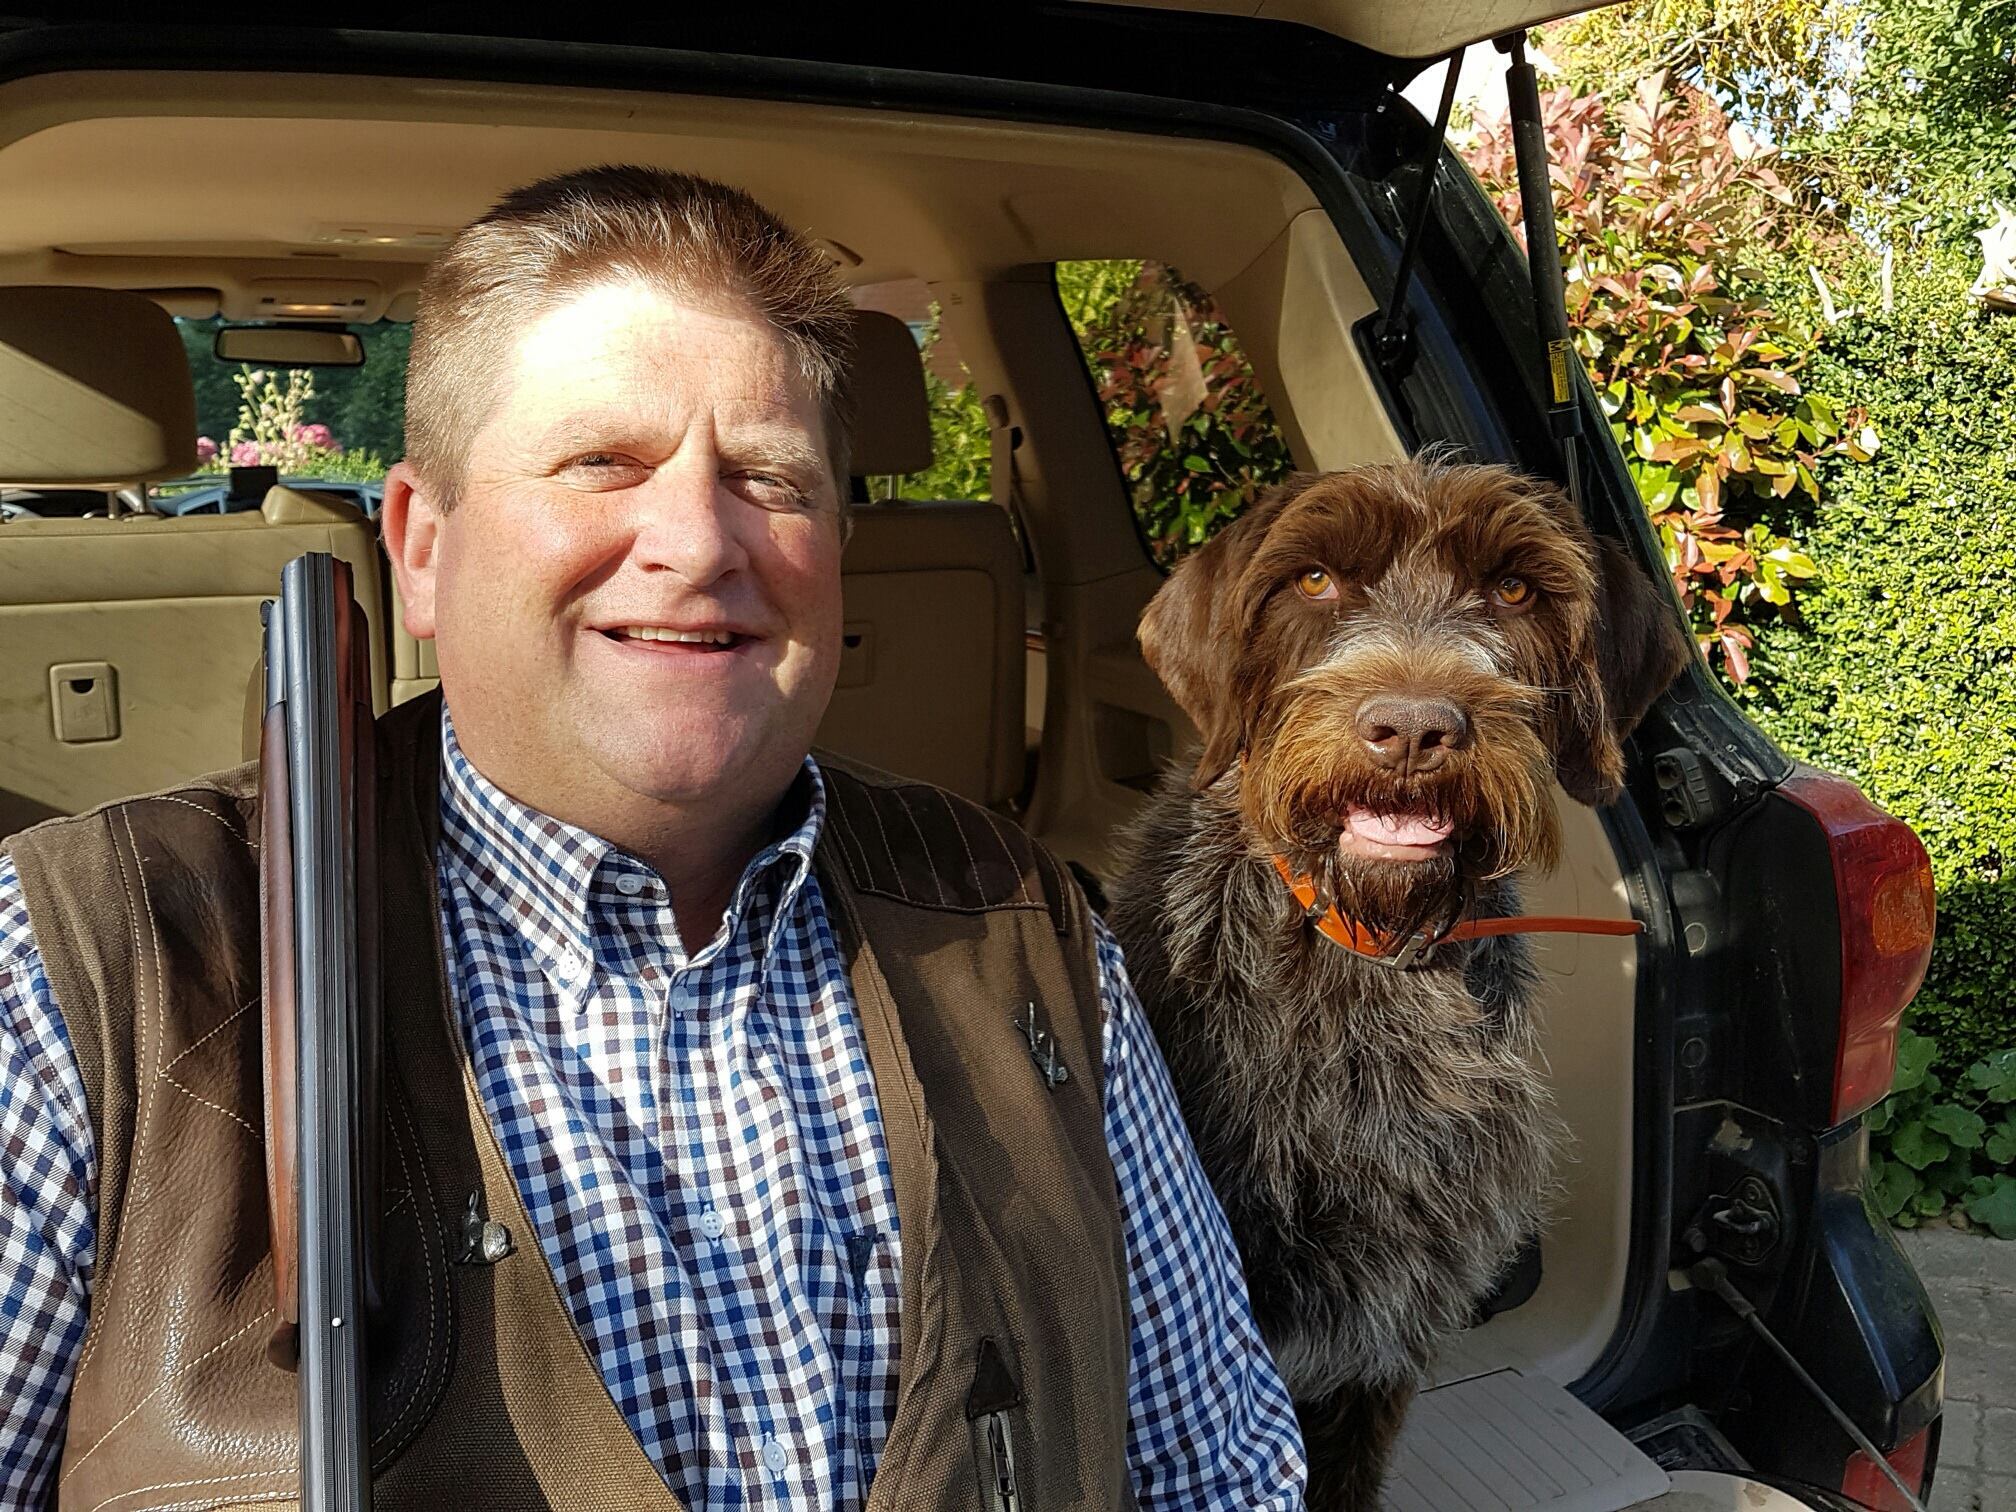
1417	949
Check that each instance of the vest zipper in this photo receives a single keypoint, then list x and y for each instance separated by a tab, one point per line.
1001	1455
995	1394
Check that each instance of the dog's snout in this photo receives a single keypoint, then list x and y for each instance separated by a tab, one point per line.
1411	735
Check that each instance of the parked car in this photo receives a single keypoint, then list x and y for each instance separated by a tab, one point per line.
1715	1070
192	496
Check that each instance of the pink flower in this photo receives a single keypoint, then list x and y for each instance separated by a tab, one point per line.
205	449
318	436
245	454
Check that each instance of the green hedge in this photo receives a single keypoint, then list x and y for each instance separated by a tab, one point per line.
1903	677
1904	674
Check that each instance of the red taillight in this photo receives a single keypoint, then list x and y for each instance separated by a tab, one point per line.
1863	1483
1884	893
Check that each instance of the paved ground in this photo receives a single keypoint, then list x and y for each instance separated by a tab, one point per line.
1973	1285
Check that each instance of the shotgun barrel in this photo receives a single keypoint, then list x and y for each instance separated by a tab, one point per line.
318	894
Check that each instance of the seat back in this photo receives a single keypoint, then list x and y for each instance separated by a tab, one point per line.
124	641
932	665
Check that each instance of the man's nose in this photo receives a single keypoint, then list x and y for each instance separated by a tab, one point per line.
688	525
1411	735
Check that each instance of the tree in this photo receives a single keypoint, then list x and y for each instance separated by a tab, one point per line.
1662	207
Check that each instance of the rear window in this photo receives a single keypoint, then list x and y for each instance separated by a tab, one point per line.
1191	428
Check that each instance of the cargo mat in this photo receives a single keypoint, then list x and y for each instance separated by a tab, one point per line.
1507	1442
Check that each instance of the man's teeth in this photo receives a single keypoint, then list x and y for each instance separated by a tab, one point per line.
691	637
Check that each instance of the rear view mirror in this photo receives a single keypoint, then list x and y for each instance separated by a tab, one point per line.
289	346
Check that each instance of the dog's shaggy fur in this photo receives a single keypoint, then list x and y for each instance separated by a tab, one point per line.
1380	1138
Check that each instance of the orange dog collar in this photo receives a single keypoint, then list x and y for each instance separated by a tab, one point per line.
1412	950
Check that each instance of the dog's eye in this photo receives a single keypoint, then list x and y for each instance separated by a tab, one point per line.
1512	593
1315	583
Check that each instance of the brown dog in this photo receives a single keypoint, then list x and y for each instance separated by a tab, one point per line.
1390	669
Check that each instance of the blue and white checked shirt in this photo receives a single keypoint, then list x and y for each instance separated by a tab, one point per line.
696	1138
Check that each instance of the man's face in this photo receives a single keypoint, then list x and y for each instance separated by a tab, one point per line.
637	594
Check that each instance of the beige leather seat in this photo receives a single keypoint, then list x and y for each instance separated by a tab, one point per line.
932	667
124	641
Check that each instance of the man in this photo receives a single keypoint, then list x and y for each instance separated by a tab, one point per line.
736	1044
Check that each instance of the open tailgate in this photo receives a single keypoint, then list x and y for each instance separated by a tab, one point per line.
1424	29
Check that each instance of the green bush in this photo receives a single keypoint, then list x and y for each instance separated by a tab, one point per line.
1940	1145
1903	674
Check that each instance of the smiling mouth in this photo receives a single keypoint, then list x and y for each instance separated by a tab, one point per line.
658	638
1378	835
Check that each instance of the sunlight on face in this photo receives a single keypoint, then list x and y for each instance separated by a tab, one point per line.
638	593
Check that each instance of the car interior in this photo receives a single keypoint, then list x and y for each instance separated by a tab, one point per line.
990	645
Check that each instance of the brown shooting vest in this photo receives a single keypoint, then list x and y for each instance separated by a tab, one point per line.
481	1391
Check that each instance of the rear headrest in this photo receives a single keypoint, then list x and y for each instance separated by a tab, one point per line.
892	415
94	389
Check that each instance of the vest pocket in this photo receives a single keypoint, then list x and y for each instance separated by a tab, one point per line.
994	1408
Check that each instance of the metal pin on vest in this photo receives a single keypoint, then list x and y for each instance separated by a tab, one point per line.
1043	1051
483	1242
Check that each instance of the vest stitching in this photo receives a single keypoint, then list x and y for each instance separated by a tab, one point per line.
157	1030
212	814
845	836
207	1480
427	1241
923	845
160	1386
159	1038
1056	881
895	875
214	1107
979	891
243	1009
1021	880
92	1331
210	1503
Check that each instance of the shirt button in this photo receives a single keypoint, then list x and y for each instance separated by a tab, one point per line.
713	1225
629	884
776	1456
572	966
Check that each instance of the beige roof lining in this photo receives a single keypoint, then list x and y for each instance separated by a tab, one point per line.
113	179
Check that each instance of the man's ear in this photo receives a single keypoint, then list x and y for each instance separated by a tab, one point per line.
1190	633
409	524
1640	645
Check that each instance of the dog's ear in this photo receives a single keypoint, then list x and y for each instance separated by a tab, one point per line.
1640	644
1190	635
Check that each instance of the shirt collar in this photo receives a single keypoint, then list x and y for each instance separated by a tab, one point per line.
556	882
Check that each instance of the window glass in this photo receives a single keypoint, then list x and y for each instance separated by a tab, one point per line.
1193	433
317	425
961	443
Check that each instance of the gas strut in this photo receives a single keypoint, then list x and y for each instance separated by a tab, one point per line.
1394	339
1543	255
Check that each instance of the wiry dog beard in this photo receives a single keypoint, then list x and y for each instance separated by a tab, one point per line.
1305	772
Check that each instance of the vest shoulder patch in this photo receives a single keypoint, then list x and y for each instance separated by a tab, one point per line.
923	846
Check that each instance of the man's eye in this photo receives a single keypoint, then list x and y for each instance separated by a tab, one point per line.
602	469
771	489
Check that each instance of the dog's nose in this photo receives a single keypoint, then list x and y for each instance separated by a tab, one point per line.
1411	735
